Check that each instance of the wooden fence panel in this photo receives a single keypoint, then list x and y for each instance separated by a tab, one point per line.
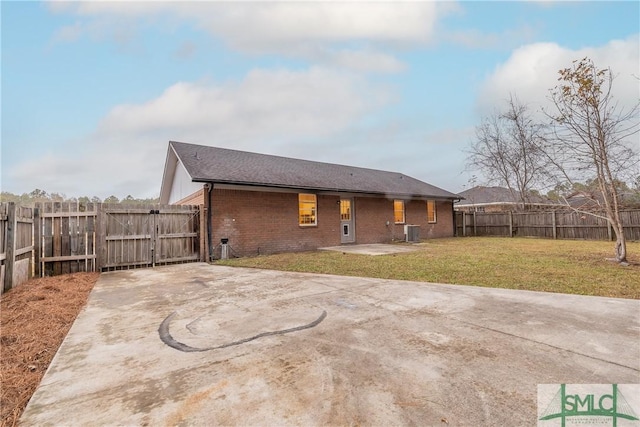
140	235
67	237
552	225
126	236
573	225
539	224
492	225
631	220
16	245
4	222
177	238
4	241
64	237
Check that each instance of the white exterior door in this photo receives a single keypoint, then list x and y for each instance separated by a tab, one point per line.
347	229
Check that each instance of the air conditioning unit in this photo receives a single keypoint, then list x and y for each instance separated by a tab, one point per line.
412	233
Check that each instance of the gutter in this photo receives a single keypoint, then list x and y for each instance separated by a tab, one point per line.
209	217
320	190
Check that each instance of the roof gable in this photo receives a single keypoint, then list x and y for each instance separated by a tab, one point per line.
221	165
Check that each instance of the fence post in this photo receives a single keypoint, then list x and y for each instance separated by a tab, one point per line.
11	247
475	233
100	245
37	241
553	224
202	232
510	223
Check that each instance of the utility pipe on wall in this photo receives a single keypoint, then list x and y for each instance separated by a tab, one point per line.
209	217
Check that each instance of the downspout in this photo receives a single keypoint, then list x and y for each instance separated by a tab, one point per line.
453	214
209	217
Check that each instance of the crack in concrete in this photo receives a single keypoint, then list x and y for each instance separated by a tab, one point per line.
507	333
545	344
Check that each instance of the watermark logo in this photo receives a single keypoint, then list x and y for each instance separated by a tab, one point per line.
588	405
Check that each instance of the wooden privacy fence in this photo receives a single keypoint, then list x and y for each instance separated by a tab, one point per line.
16	244
143	236
65	238
552	225
60	237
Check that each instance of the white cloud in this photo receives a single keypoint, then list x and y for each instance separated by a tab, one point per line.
430	154
266	103
52	167
308	29
258	24
270	25
476	39
264	112
364	60
533	69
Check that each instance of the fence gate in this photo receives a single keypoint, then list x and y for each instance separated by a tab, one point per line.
139	236
16	244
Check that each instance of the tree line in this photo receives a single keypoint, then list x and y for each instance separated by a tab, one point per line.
39	195
586	136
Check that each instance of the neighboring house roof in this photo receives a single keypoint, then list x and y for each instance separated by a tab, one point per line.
584	200
221	165
484	196
592	200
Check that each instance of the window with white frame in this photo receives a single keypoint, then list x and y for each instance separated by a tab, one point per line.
307	209
431	211
398	211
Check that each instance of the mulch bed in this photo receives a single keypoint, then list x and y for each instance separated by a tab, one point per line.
34	320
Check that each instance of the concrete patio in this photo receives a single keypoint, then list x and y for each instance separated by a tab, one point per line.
199	344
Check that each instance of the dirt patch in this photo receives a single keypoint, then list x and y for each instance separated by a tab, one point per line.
35	318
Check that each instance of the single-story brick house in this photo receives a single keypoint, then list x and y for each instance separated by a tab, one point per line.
268	204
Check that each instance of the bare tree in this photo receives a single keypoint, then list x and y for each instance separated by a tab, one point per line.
507	149
593	137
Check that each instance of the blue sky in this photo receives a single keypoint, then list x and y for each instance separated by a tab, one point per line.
93	91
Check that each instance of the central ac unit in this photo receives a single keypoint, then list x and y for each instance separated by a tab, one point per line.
412	233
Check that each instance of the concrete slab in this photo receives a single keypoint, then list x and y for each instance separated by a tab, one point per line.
196	344
372	249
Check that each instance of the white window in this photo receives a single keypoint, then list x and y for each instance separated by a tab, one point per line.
307	208
398	211
431	211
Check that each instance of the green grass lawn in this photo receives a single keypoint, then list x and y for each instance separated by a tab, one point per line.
567	266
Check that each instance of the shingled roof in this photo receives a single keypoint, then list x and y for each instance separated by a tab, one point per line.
481	195
221	165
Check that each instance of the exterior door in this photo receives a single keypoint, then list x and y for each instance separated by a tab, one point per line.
347	229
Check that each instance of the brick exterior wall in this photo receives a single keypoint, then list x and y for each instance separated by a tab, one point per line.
267	222
372	215
264	223
444	227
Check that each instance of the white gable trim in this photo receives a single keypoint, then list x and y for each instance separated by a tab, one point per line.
182	185
176	181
